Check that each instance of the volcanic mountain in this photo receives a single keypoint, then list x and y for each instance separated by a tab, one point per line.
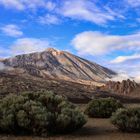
64	74
56	64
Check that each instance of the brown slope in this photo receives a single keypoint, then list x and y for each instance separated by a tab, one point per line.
16	83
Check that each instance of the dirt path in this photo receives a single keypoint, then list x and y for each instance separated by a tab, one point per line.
95	129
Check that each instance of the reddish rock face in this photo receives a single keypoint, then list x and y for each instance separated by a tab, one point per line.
125	87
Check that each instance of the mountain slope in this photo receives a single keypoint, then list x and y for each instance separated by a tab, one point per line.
61	65
64	74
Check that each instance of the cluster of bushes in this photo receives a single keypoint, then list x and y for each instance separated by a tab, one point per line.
44	113
39	113
103	107
127	120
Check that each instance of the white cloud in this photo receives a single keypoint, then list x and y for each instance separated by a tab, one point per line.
50	5
24	46
101	46
27	4
133	3
2	66
124	76
12	4
97	43
120	77
29	45
85	10
49	19
12	30
121	59
88	11
137	78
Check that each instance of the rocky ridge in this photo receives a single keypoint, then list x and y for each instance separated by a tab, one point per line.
126	87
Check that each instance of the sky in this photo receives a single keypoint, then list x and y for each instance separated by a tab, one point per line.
103	31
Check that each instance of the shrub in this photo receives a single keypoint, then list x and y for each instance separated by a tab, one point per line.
127	119
39	114
102	108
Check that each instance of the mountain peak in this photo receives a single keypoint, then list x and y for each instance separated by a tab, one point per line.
54	51
51	50
61	65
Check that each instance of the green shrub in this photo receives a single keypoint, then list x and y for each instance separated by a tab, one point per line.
127	119
39	113
102	108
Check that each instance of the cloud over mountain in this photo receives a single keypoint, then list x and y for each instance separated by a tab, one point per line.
25	46
125	47
121	59
29	45
97	43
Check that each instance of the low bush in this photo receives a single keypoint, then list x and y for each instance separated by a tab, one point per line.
102	108
127	119
39	113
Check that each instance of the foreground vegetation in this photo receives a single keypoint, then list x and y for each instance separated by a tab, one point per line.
39	113
103	107
46	114
127	119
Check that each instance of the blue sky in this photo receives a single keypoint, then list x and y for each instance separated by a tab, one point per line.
103	31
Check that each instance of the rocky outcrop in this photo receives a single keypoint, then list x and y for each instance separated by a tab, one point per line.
61	65
125	87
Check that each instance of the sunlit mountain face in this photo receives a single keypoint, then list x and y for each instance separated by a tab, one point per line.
105	32
60	65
